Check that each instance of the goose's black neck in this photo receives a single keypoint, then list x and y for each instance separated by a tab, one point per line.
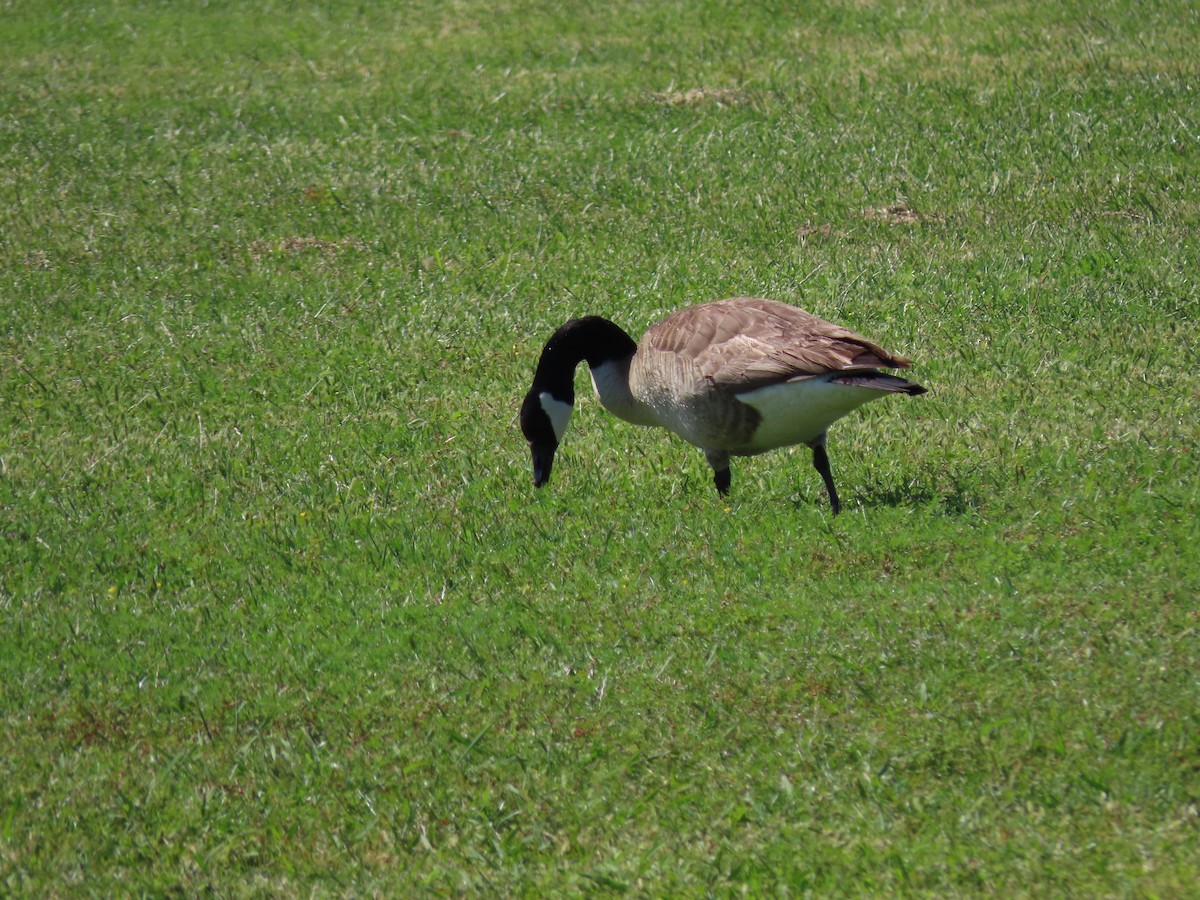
592	339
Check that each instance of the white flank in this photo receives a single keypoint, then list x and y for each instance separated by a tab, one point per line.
558	411
797	412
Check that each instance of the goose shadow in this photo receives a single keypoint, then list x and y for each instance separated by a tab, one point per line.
957	500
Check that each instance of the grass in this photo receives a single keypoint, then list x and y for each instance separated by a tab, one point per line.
279	609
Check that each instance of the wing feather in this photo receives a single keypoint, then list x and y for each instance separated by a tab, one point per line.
748	342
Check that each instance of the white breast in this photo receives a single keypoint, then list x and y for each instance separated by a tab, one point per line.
611	381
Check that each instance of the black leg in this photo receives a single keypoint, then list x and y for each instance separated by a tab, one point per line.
719	460
821	464
721	479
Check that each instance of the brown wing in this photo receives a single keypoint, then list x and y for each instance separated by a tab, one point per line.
748	342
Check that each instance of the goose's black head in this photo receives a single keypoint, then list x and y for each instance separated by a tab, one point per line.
547	407
543	421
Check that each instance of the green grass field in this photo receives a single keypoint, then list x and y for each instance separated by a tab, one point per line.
280	611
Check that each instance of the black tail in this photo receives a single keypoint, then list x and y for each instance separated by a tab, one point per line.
880	382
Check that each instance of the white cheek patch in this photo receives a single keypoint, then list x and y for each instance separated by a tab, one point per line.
558	411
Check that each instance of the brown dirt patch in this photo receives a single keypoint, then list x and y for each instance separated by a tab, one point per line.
900	214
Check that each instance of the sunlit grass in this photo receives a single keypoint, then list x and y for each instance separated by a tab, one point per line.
282	613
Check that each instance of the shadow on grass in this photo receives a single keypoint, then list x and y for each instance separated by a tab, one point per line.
958	500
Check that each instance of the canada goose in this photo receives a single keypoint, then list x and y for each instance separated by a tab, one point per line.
734	377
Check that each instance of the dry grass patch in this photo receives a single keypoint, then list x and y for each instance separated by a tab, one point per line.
811	232
694	96
297	246
901	214
37	259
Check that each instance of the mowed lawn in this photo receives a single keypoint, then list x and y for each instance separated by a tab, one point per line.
280	610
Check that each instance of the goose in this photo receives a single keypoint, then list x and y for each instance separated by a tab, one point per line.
734	377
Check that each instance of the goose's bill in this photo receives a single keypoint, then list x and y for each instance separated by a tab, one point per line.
543	462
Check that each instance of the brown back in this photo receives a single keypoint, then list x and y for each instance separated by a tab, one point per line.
743	343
